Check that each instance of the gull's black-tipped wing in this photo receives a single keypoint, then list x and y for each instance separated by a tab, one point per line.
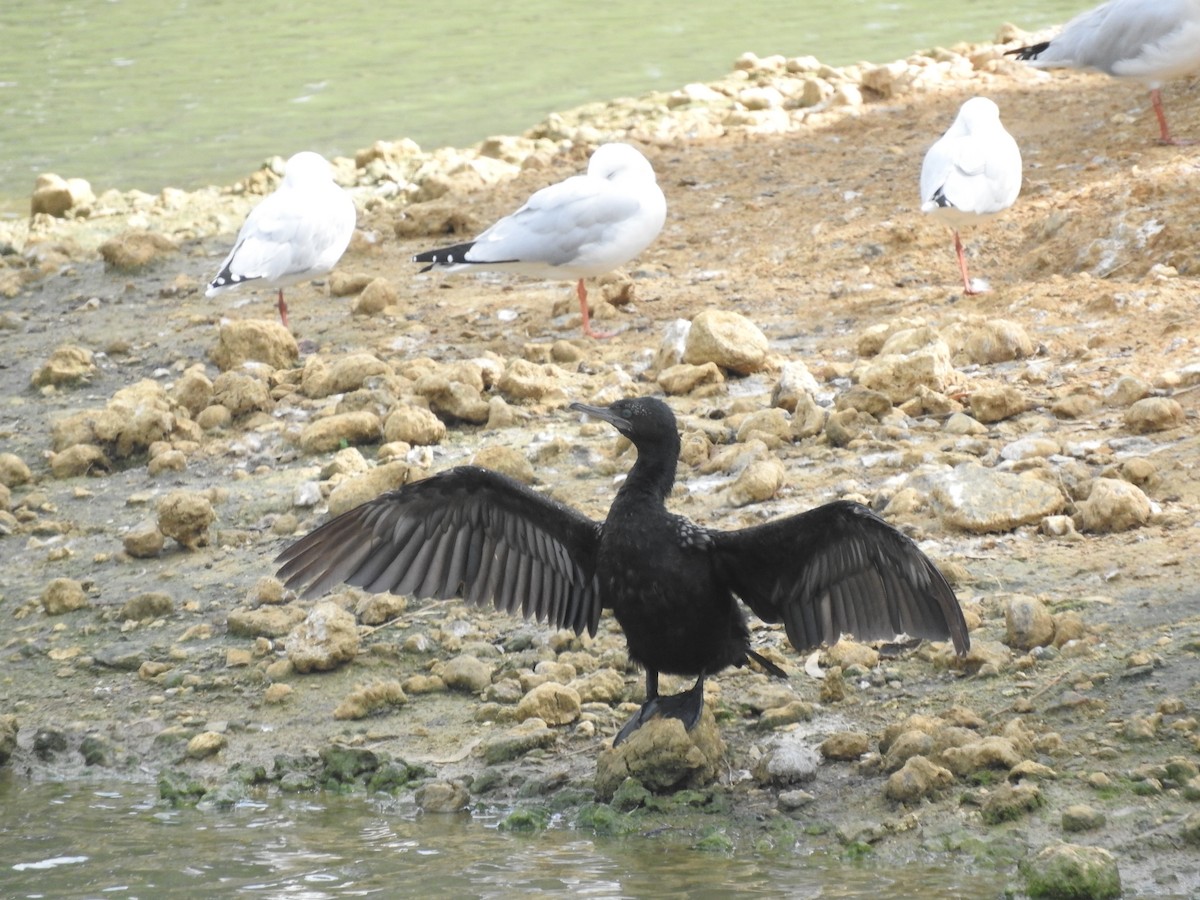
839	569
467	532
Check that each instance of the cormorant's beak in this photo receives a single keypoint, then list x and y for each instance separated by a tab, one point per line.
603	413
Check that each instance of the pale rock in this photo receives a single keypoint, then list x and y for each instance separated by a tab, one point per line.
961	423
994	403
664	756
847	653
79	460
998	340
1154	414
326	639
67	365
790	761
601	686
254	340
344	374
795	383
506	460
1128	390
133	251
553	703
983	500
193	390
185	516
759	481
1028	623
523	380
728	339
771	425
917	779
272	621
13	470
900	376
1033	447
377	296
340	429
413	425
466	673
63	595
144	541
206	744
358	490
1113	505
845	746
455	400
241	393
376	609
906	745
684	378
442	797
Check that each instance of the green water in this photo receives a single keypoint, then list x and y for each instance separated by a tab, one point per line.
118	841
146	93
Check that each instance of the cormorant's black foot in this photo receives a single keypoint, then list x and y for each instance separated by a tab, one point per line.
686	707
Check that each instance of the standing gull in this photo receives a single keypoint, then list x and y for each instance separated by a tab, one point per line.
971	173
296	234
1154	41
671	584
579	228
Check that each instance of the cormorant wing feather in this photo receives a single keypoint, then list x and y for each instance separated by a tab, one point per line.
839	569
467	532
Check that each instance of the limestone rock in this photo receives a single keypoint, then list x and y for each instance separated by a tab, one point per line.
466	673
994	403
1154	414
728	339
1028	623
553	703
67	365
254	340
134	250
327	638
998	340
344	374
1113	505
759	481
9	727
685	378
442	797
846	746
377	296
917	778
1072	871
899	377
983	500
63	595
358	490
341	429
150	605
414	425
265	621
206	744
368	699
791	761
506	460
144	541
13	471
241	393
55	196
79	460
185	516
663	756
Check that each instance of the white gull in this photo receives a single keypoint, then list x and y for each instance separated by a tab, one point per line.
1154	41
579	228
971	173
298	233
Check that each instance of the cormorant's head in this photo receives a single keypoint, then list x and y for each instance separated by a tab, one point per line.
644	420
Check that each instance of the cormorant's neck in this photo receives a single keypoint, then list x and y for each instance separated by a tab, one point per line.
654	471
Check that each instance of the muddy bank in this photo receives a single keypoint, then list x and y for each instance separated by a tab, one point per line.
154	474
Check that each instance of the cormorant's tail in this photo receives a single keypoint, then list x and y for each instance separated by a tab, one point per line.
766	664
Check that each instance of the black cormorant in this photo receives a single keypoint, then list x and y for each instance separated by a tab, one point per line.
672	584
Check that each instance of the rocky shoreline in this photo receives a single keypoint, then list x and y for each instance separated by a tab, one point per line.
1037	439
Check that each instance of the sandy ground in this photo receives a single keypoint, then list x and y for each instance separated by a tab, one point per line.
815	237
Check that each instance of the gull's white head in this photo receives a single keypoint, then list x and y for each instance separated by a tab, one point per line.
620	161
307	167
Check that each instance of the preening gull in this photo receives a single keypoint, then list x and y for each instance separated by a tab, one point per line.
298	233
579	228
1154	41
971	173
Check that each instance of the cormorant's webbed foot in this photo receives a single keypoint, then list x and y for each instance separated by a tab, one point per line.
686	707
